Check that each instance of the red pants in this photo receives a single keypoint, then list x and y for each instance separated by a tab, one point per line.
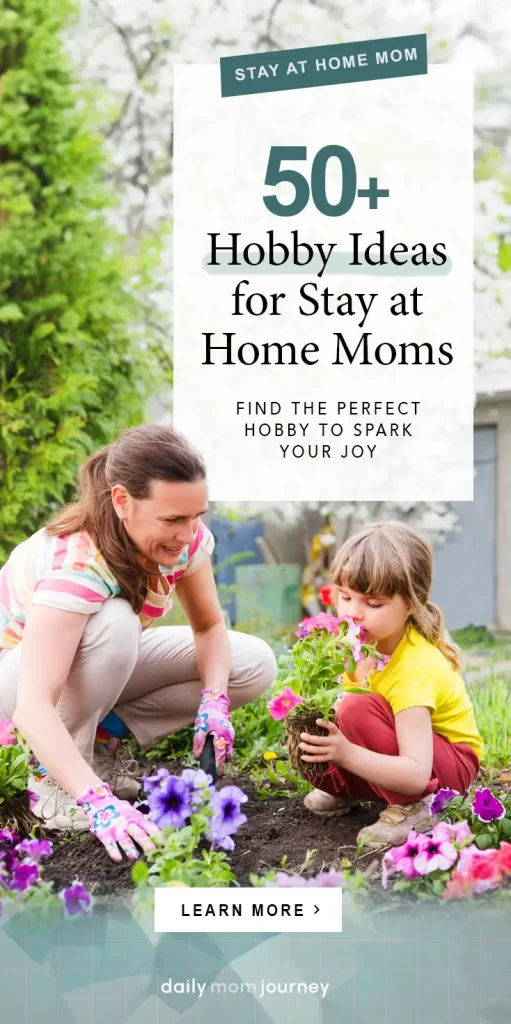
368	721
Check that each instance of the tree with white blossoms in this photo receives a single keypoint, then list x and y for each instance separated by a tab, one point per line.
129	46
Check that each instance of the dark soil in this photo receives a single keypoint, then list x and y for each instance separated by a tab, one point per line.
276	828
281	826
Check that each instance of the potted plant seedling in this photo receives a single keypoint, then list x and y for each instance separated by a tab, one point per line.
309	681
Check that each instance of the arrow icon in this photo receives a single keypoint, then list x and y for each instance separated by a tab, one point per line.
316	909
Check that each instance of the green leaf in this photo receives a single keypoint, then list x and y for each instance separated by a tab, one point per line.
504	257
10	313
485	841
140	872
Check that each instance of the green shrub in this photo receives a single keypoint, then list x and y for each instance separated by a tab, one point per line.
76	359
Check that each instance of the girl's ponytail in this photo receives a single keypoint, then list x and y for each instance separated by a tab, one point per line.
429	621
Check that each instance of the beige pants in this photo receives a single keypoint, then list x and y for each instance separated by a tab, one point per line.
150	679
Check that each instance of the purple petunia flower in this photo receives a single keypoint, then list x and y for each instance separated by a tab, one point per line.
441	799
197	784
8	860
227	816
285	881
33	798
153	781
331	879
35	849
24	876
486	807
223	842
170	803
76	900
7	838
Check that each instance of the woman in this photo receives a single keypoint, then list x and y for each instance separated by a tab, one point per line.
76	599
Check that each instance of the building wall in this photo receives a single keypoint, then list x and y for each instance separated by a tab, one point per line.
482	559
497	411
464	578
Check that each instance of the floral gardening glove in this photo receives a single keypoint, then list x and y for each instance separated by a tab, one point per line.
116	823
213	717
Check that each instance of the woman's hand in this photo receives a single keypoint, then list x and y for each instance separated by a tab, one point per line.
116	823
333	747
213	717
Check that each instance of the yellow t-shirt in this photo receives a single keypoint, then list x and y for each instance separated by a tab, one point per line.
419	675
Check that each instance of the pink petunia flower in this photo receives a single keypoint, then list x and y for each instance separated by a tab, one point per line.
7	734
280	706
458	832
437	853
322	621
388	867
504	858
357	651
403	858
381	661
355	633
330	879
476	872
459	887
482	867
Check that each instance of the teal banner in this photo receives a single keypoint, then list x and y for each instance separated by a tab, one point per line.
339	63
395	964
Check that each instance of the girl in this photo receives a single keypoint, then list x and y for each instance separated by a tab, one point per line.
75	601
415	730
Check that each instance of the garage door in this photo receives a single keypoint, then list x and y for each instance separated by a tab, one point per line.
465	565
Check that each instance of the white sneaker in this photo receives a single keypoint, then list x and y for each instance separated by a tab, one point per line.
55	807
117	772
327	805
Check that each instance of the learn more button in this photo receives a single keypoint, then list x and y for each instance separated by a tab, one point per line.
247	910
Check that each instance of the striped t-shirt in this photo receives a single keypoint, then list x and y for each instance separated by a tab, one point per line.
69	572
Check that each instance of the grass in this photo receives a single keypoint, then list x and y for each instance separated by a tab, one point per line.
478	639
491	700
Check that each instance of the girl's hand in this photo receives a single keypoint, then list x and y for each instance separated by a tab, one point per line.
116	823
213	717
333	747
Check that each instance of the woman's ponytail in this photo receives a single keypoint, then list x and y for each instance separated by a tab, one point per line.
142	454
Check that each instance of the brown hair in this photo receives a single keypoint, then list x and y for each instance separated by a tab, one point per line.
391	558
142	454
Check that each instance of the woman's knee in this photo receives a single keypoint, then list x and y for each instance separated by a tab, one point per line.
112	638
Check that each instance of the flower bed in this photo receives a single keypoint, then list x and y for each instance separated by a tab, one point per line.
229	835
22	880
